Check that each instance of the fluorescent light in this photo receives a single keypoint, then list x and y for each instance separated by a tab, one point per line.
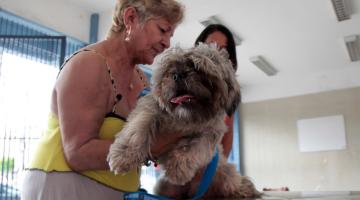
263	65
353	47
341	9
216	20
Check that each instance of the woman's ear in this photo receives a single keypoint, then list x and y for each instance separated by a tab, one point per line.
130	17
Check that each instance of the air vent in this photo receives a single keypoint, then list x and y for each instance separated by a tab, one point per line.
216	20
352	43
341	10
263	65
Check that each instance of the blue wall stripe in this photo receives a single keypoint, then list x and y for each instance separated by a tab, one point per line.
11	24
34	28
236	142
94	28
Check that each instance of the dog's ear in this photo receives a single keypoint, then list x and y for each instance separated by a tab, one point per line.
234	95
217	63
233	88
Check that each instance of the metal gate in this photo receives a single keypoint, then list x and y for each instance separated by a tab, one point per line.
17	136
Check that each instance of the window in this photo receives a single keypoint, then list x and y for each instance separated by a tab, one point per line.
25	88
30	57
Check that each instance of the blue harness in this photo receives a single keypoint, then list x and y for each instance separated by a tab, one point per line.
204	184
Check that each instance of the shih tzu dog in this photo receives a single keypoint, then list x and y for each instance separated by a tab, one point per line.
192	91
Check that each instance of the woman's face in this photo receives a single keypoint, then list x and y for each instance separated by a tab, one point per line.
152	39
219	38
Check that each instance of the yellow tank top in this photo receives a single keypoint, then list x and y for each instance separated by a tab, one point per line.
49	156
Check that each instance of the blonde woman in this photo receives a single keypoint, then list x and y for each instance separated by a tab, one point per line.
95	91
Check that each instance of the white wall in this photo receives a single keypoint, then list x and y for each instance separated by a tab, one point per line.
104	23
270	149
57	15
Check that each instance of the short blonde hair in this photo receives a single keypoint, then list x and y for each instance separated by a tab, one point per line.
171	10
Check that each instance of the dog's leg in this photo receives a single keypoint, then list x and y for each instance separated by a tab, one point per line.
187	158
166	189
132	145
228	183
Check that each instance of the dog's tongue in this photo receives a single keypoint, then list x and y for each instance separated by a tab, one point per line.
180	99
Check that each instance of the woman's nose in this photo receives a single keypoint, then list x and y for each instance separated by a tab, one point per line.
166	42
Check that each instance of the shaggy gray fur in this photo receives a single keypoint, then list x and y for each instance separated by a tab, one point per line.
192	91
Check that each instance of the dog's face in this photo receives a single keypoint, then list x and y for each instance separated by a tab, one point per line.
197	84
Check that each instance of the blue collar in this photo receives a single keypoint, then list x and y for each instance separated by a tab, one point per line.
208	176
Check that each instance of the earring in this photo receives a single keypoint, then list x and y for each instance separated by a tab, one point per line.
128	33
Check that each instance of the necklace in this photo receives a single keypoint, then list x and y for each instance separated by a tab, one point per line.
142	79
131	86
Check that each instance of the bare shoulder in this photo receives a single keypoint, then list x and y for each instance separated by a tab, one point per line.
85	68
85	63
85	79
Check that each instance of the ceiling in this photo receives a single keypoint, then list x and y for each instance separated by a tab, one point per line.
302	39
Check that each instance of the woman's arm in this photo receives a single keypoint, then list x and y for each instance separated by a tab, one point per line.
83	93
84	96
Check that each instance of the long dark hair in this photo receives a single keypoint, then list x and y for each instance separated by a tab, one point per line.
231	48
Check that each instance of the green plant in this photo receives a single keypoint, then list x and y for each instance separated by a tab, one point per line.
7	164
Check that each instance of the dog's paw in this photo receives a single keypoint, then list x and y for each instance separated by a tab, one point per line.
247	189
122	159
164	188
120	167
228	183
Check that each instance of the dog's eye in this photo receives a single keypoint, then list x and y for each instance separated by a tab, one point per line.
175	77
